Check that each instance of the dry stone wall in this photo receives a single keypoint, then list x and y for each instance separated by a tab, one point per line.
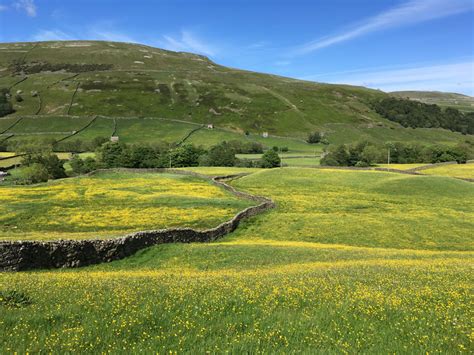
27	255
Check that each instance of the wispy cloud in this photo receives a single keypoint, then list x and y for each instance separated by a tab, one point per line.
282	63
187	42
51	35
3	7
457	77
113	36
28	6
411	12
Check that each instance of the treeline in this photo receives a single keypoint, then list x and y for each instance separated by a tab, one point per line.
115	155
40	164
415	114
365	154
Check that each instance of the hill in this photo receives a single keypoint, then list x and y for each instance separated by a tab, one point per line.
61	81
443	99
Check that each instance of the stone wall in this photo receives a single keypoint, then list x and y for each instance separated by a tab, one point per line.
27	255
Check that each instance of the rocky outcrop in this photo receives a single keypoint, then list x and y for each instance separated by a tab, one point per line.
27	255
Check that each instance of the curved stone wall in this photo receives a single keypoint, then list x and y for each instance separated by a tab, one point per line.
27	255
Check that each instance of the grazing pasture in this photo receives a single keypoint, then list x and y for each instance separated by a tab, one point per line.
349	261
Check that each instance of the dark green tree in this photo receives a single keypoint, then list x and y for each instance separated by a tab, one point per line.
270	159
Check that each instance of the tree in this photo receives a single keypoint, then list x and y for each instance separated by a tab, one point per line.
219	155
314	138
82	166
185	155
33	174
51	162
77	165
270	159
338	156
370	155
112	155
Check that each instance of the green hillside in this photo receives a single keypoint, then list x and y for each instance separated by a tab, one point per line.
443	99
81	79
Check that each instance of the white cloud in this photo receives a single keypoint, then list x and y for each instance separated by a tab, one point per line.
51	35
187	42
455	77
3	8
411	12
26	5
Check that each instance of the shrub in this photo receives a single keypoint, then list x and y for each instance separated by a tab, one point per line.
112	155
219	155
270	159
314	138
186	155
32	174
337	156
82	166
52	164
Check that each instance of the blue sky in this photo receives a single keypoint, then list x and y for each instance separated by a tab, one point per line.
384	44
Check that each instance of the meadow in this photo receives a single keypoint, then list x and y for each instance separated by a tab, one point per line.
112	204
349	261
464	171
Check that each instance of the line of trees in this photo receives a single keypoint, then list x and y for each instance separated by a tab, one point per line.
365	153
414	114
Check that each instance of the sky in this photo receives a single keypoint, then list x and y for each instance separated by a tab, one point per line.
382	44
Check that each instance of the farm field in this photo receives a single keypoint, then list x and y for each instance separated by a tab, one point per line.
112	204
314	161
401	166
349	261
465	171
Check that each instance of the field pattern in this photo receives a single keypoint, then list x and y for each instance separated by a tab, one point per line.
328	270
111	204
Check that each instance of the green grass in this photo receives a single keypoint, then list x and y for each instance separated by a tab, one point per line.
364	208
349	261
402	166
6	163
188	87
111	204
314	161
443	99
465	171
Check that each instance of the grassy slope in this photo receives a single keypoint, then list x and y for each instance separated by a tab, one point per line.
192	88
443	99
111	204
348	262
465	171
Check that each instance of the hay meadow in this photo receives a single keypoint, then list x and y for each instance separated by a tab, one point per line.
348	262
